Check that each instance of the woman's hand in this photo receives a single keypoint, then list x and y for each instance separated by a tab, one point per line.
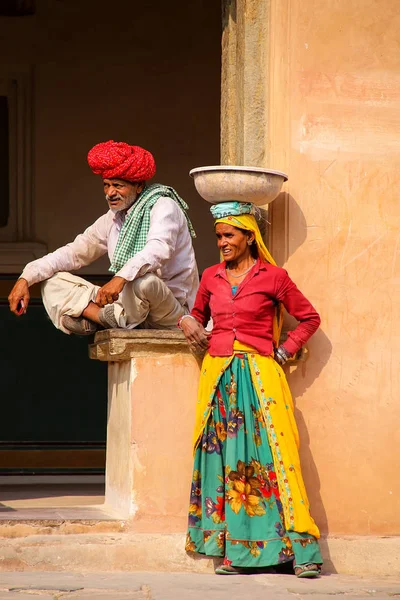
195	334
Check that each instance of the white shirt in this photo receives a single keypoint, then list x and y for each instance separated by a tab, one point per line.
168	251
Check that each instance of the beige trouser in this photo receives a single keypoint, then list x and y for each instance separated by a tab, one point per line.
145	302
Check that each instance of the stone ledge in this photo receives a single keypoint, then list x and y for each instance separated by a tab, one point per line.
27	528
124	344
355	555
141	335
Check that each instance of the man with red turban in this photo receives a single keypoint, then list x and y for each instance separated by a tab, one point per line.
148	237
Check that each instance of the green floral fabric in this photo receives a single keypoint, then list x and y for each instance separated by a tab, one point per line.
235	510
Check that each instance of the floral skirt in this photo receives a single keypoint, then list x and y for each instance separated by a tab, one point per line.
235	507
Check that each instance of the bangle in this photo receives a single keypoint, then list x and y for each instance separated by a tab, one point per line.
184	317
282	354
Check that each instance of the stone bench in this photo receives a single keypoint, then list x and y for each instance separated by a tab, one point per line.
152	390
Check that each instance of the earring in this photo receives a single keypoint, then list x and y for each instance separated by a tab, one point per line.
249	243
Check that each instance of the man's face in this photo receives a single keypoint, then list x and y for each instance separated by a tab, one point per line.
121	194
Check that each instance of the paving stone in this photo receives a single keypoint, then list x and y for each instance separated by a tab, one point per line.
26	596
48	587
189	586
336	596
107	595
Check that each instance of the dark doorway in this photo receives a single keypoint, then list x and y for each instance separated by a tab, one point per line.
54	398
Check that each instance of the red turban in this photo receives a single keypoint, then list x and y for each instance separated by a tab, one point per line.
118	160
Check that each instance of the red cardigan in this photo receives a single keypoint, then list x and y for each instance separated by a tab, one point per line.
248	315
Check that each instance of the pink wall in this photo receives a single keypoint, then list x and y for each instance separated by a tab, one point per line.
162	431
335	82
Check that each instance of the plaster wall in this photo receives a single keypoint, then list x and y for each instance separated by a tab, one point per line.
163	398
152	391
334	82
146	73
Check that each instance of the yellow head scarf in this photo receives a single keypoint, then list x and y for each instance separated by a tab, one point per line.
248	222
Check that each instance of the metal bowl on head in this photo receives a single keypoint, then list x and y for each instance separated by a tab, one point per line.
224	183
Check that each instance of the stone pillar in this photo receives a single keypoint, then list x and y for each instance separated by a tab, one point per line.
245	89
152	391
245	99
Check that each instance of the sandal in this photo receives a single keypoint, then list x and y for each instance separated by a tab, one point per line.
308	570
225	568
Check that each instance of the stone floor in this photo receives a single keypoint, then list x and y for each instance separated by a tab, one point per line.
51	495
184	586
52	501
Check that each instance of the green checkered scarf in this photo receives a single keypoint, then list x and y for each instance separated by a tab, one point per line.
133	235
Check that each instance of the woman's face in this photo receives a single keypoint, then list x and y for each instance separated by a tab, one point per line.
232	242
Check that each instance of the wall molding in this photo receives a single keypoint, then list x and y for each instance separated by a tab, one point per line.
17	242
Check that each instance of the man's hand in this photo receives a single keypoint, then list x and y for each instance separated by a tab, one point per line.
110	292
19	297
195	334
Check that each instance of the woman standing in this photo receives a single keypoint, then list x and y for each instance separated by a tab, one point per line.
248	502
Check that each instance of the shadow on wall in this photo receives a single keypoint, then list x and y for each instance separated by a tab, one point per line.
284	242
301	377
